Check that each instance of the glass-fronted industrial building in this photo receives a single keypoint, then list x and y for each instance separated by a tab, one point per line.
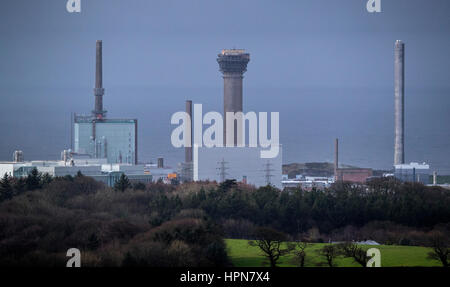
413	172
113	139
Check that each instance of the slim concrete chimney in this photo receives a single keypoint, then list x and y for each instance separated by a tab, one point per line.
434	178
160	162
99	113
399	100
336	158
18	156
188	150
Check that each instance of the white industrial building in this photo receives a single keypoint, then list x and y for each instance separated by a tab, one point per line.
95	168
307	182
413	172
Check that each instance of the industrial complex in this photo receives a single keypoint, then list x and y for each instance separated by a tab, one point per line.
105	148
101	137
235	159
102	148
412	172
406	172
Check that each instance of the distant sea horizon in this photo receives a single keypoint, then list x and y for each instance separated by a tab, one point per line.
37	121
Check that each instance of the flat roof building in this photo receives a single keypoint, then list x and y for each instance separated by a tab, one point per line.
413	172
355	175
100	171
112	139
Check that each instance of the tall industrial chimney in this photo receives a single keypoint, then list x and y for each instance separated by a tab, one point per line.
233	65
18	156
188	150
98	112
336	158
160	162
399	99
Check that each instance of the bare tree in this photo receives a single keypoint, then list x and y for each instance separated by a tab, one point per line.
441	249
299	249
270	242
330	252
354	251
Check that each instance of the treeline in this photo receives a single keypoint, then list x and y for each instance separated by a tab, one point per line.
109	227
13	186
184	225
401	206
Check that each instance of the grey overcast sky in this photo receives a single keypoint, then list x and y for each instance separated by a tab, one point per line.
325	65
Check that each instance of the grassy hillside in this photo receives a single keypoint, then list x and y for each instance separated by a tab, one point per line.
243	255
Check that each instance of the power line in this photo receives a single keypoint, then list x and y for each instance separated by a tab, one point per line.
268	172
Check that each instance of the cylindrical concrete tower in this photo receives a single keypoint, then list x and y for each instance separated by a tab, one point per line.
188	150
399	99
160	162
233	65
336	158
98	112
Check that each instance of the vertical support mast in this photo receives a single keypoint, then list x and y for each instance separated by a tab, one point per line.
399	99
188	150
99	91
336	158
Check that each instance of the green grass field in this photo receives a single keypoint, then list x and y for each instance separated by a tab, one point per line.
243	255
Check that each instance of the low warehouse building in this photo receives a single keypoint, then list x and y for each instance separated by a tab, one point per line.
356	175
